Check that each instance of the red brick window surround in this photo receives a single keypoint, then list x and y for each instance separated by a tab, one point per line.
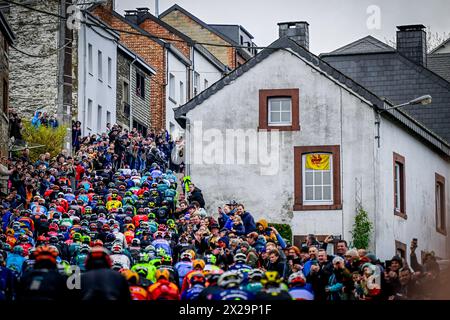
325	182
268	96
399	185
441	205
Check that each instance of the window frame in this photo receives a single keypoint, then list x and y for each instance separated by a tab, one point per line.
399	160
269	111
100	65
109	72
265	95
316	202
141	93
441	217
196	85
90	59
182	92
335	151
172	89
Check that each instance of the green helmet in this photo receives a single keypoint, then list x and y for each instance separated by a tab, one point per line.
160	252
77	236
210	259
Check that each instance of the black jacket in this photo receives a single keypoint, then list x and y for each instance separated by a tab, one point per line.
104	285
197	195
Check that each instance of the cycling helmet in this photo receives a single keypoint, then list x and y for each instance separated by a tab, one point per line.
162	274
210	259
166	260
271	278
297	279
110	237
117	248
160	252
151	216
98	243
136	242
170	223
255	275
18	250
84	248
197	278
131	276
240	258
230	279
158	234
98	258
198	264
186	256
46	253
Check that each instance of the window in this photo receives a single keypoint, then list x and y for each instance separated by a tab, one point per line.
399	186
242	40
441	206
172	87
108	117
100	65
196	83
140	85
317	178
140	127
99	119
400	249
206	84
5	96
109	71
279	109
126	92
317	173
90	59
181	92
89	114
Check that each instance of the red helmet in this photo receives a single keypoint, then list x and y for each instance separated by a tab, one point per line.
98	258
53	227
197	278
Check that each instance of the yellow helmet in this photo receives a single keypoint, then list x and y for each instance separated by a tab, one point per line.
131	276
162	273
271	277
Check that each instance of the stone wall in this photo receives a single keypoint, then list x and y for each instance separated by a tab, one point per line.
4	76
34	80
123	74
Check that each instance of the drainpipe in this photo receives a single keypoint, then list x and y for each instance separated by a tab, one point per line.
130	92
188	144
85	43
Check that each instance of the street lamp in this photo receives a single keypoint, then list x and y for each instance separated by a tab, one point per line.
423	100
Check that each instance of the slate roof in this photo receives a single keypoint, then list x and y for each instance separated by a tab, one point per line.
393	76
443	44
367	44
400	117
440	64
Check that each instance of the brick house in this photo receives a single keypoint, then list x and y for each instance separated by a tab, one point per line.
7	37
173	60
200	31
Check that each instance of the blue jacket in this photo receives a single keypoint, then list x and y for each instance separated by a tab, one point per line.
249	222
240	230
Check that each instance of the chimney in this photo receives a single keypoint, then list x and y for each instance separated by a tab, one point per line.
136	16
412	43
110	5
296	30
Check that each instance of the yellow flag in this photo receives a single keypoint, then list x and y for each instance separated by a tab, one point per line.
318	161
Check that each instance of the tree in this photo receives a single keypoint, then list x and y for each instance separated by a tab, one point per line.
434	39
51	139
362	230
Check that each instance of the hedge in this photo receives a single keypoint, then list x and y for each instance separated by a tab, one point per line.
284	230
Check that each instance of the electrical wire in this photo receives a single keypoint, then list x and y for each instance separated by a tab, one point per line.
146	34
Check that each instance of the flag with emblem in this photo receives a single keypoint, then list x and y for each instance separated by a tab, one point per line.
318	161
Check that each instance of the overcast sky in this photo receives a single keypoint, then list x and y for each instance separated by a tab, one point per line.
333	23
